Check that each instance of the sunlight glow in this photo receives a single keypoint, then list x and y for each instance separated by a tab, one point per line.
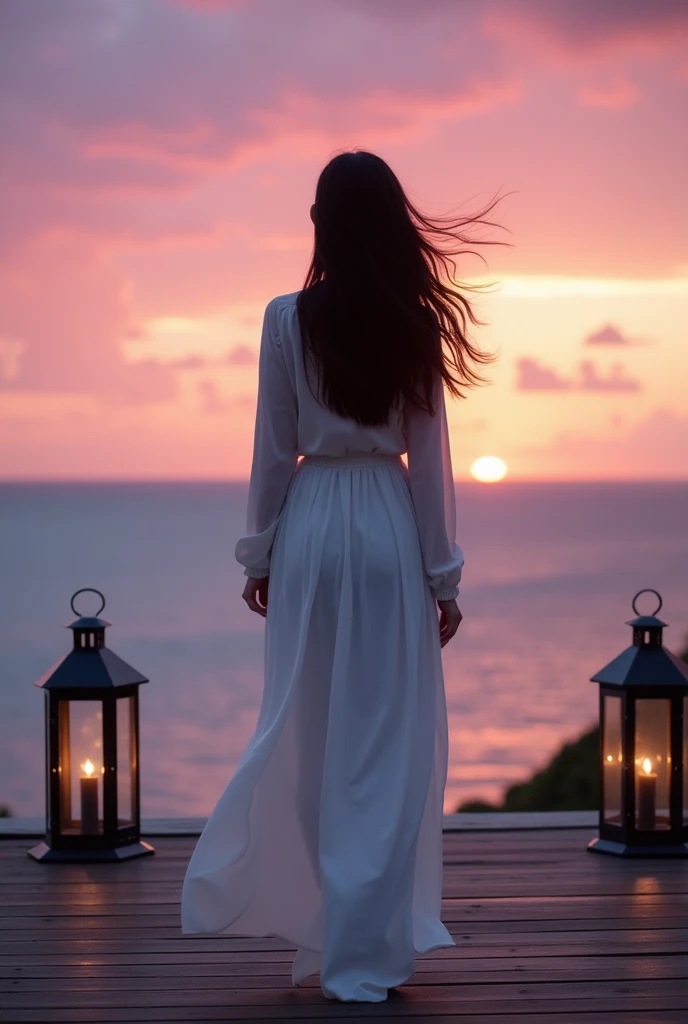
169	338
565	287
549	286
488	469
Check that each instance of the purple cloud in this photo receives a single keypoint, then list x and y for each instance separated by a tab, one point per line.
615	381
534	377
193	362
241	355
586	26
608	335
612	335
166	121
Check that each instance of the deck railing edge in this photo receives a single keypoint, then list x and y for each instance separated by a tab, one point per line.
493	821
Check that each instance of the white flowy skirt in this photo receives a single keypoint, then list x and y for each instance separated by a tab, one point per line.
329	834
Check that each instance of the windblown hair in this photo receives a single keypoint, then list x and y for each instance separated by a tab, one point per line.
380	313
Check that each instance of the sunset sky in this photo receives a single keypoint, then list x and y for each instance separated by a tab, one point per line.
159	158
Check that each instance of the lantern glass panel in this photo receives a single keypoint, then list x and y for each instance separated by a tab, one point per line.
685	760
80	732
612	760
652	764
126	761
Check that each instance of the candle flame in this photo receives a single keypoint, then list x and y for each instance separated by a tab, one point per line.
647	765
89	767
609	757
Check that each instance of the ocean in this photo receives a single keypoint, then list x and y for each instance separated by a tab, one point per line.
550	573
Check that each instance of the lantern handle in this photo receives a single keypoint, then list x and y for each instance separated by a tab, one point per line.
90	590
648	590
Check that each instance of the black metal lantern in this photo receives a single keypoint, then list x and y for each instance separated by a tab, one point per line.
644	746
92	750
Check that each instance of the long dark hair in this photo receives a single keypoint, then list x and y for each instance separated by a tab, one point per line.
380	313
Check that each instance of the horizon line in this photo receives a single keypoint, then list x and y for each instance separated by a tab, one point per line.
245	480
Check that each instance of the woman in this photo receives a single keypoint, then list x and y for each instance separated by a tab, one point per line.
329	835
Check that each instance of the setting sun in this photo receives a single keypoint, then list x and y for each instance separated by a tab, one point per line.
488	469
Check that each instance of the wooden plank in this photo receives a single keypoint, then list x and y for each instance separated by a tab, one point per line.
564	848
505	997
556	944
464	886
364	1014
57	875
179	846
107	928
573	855
56	878
261	975
111	916
35	904
279	964
455	878
565	852
172	960
498	907
191	960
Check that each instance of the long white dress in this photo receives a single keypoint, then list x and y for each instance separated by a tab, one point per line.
329	834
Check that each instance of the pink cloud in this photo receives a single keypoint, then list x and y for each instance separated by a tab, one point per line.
69	311
587	31
211	5
241	355
532	376
78	131
607	335
163	122
194	362
11	352
611	335
616	96
614	381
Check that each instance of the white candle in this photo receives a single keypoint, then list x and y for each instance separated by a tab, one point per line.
646	797
89	799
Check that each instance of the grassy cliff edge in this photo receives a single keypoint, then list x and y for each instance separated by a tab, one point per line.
569	782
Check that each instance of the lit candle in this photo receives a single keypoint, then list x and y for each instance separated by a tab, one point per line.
89	799
647	796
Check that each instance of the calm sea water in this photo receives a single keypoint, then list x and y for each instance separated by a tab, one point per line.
550	573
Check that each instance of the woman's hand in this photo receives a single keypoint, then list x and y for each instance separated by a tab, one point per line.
450	617
256	594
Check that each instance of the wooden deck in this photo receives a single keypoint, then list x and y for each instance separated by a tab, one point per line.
545	931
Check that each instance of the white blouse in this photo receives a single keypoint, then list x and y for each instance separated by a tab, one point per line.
291	422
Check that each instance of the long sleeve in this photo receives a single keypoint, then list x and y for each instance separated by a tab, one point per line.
432	490
274	450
